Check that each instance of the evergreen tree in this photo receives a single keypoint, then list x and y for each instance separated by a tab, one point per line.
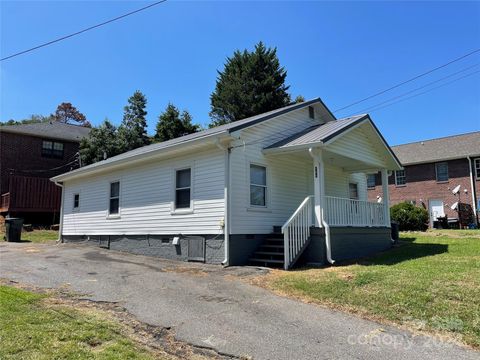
132	132
171	124
102	142
251	83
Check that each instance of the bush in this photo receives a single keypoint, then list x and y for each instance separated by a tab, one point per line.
409	217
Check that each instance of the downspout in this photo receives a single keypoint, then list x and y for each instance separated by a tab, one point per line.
321	175
226	224
60	228
474	193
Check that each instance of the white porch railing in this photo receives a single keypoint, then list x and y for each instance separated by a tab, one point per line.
348	212
296	231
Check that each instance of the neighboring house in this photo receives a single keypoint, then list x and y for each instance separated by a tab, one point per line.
225	195
432	170
29	155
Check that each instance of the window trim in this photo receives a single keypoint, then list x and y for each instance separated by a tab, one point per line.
182	211
358	189
404	175
476	168
436	172
252	207
76	208
117	215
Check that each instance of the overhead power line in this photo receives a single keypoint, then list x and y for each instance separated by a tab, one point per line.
407	81
83	30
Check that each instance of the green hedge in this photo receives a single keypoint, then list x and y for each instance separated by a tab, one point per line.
409	217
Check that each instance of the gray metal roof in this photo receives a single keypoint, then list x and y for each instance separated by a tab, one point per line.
451	147
223	129
319	133
51	130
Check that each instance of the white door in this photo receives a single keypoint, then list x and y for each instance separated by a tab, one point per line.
436	210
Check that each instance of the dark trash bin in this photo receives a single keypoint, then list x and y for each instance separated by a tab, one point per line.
395	230
13	229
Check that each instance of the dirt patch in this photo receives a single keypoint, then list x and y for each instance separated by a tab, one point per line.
160	341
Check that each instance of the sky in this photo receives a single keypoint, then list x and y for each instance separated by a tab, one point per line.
339	51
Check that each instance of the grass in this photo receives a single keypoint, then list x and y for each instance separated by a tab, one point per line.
430	283
37	236
31	328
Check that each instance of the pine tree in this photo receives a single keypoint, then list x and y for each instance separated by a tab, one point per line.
132	132
67	113
171	124
251	83
102	141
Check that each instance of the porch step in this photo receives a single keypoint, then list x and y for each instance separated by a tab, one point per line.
271	252
267	262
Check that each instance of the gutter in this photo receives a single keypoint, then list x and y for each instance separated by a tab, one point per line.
328	245
60	228
226	225
474	193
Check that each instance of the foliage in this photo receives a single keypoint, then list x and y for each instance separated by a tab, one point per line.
34	119
102	141
299	99
251	83
431	282
132	133
34	327
67	113
171	124
409	217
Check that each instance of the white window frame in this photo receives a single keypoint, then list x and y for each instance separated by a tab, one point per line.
374	181
404	176
182	211
266	186
358	190
76	208
116	215
436	172
476	166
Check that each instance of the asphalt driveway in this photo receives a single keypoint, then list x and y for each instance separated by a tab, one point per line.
212	307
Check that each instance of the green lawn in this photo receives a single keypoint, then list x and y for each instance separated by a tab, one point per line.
37	236
31	328
431	283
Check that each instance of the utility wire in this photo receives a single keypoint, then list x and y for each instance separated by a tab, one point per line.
83	30
407	81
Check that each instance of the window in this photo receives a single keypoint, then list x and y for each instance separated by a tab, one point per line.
52	149
311	112
258	185
371	181
477	168
400	177
441	171
353	191
183	188
76	201
114	198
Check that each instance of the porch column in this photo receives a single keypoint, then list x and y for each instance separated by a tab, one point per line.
386	198
318	184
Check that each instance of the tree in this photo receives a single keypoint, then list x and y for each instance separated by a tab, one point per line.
171	124
299	99
32	120
67	113
132	132
251	83
102	141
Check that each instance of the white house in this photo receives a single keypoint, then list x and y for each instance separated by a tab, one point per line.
284	186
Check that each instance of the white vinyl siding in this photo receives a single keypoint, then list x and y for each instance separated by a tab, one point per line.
146	197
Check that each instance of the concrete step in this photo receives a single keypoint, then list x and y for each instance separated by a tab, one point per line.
266	262
267	253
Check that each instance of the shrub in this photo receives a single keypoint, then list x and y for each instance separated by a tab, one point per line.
409	217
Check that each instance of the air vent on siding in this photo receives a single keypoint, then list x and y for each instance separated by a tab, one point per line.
311	112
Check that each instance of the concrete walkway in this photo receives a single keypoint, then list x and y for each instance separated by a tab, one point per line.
210	306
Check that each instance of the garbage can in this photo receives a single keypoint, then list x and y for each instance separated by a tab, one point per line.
394	230
13	229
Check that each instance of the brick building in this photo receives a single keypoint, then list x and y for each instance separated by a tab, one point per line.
433	169
29	155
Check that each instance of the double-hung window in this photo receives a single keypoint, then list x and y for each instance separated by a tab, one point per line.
258	185
52	149
477	168
183	189
353	191
441	171
114	204
76	201
400	177
371	182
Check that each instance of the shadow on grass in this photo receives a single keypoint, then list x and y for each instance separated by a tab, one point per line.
19	242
